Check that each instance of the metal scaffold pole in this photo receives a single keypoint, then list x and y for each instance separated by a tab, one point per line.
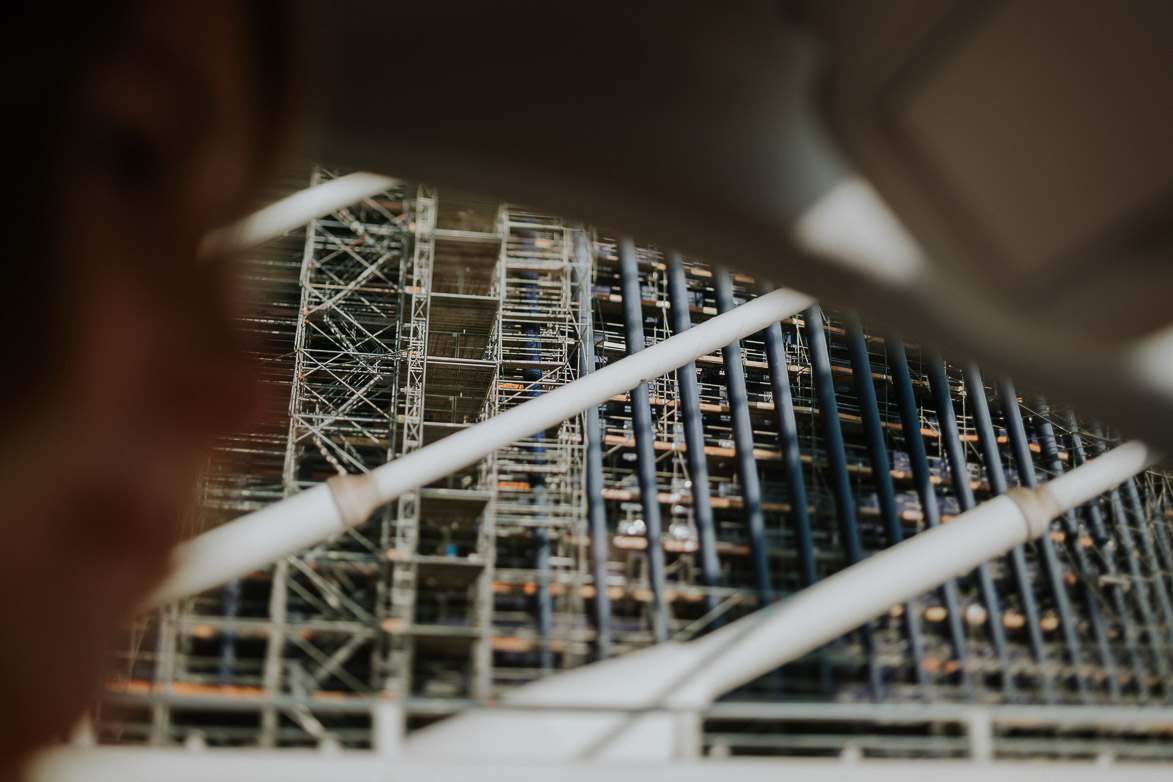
914	440
641	412
694	435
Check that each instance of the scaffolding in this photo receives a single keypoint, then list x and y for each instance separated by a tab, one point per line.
738	480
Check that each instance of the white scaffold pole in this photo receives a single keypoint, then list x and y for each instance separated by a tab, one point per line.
281	217
345	501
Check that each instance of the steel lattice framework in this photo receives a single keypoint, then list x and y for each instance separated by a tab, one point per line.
417	313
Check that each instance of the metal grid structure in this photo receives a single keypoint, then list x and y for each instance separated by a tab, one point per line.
736	481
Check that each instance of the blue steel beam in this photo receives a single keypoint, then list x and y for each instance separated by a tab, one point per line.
832	434
747	466
837	463
959	473
865	389
645	448
988	442
922	477
788	442
694	435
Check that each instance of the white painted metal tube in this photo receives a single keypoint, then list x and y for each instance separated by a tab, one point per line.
346	501
280	218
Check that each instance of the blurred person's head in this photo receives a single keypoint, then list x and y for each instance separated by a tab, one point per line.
129	130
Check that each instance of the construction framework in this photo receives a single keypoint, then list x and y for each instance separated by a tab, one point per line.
694	500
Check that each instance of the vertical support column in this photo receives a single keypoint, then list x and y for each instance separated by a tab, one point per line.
272	669
980	730
1095	516
543	599
837	462
958	471
274	652
532	375
988	442
788	443
231	602
694	434
832	434
404	573
342	418
1050	452
1050	560
387	727
164	673
914	440
641	412
593	434
481	686
747	468
380	649
865	389
538	327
